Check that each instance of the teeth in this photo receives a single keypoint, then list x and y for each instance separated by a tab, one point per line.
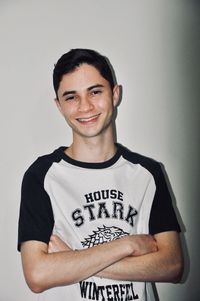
87	118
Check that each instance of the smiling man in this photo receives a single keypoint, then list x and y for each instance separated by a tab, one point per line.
96	220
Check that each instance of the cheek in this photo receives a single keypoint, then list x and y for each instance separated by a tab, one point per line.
105	104
68	111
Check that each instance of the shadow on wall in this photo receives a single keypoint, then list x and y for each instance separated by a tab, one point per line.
183	230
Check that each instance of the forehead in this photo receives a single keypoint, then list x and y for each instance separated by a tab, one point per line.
81	78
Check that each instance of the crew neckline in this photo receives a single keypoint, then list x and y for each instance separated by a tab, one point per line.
90	165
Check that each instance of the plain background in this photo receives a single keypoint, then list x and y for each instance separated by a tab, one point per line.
154	46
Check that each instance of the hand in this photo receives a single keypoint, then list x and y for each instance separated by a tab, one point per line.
57	245
142	244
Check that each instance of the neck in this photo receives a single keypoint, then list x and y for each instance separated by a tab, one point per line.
93	150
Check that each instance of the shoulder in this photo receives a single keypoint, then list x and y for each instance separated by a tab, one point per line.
153	166
42	164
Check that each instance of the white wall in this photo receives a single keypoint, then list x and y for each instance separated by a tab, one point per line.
154	48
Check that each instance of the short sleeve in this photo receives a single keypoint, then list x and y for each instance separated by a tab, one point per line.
163	217
36	216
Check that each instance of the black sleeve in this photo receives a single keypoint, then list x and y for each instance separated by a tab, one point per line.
36	216
162	217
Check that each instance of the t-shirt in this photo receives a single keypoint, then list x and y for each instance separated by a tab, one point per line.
87	204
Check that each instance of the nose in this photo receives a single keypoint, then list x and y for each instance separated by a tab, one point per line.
85	104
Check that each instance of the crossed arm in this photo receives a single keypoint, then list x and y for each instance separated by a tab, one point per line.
134	257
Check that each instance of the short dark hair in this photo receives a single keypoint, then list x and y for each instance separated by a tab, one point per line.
69	61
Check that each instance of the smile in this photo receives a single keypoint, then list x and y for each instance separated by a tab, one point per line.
89	119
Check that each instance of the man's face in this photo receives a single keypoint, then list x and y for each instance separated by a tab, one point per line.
86	101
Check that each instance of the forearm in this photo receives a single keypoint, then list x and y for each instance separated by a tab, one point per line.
46	270
152	267
165	265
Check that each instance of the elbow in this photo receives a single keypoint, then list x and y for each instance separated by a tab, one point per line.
35	282
35	287
38	281
177	272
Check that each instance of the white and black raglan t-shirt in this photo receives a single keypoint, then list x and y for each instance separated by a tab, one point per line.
87	204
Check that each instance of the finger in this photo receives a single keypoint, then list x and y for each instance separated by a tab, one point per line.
54	237
50	248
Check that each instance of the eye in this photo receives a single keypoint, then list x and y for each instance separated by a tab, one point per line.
96	92
70	97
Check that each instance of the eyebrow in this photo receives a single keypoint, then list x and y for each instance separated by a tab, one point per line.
95	86
89	89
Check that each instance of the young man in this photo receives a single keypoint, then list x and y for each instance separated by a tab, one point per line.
96	220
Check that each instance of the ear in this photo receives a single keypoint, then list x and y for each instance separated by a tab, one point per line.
58	105
116	95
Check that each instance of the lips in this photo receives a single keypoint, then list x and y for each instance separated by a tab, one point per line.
88	120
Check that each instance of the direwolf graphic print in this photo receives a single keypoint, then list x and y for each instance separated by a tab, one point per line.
102	235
